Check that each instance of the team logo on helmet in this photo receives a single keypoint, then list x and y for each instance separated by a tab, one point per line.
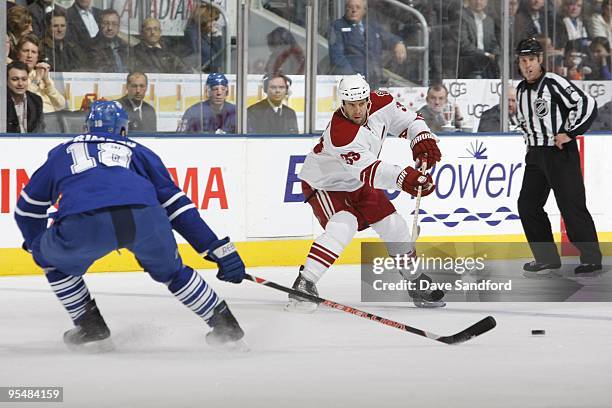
541	107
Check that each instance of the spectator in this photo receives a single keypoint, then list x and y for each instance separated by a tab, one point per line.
83	22
18	23
356	46
438	113
604	118
151	56
479	47
7	50
576	63
214	115
270	115
601	64
109	53
601	24
62	54
141	115
39	81
530	20
39	10
24	112
287	56
205	42
490	119
570	26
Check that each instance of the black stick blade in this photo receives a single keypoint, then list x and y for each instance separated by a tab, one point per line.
474	330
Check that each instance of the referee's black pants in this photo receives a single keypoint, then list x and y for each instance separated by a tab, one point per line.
547	168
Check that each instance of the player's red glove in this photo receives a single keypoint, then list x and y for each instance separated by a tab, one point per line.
425	149
409	180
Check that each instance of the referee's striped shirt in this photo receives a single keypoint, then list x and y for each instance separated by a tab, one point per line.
550	106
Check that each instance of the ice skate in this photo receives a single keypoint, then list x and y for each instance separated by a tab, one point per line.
536	269
91	334
426	298
226	332
297	303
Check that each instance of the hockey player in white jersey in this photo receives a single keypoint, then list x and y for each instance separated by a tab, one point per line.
343	181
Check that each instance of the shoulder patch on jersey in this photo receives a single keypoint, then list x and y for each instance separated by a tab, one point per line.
379	100
342	131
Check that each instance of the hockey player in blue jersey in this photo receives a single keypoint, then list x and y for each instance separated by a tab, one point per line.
114	193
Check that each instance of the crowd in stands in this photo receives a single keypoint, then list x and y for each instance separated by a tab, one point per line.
371	38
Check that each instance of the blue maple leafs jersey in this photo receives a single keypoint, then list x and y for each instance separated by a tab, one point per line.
94	171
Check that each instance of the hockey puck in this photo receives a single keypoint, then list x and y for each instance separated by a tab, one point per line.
538	332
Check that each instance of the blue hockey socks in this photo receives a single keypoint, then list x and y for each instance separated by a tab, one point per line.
189	287
71	291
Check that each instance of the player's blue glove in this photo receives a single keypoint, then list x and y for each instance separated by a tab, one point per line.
231	267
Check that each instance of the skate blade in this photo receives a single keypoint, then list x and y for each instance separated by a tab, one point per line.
232	347
543	274
296	306
429	305
93	347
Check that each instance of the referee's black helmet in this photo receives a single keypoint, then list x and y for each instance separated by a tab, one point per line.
529	46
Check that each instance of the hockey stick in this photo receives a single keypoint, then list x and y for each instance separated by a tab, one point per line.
474	330
416	230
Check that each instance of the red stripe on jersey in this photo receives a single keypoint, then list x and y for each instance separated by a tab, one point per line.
322	248
368	174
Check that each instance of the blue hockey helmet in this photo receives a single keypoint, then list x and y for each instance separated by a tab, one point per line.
215	79
107	117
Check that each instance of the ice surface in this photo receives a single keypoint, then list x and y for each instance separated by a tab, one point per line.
327	359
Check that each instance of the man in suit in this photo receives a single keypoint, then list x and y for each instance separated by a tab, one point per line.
604	118
39	9
356	44
109	53
490	119
270	115
24	109
151	55
83	22
438	113
479	47
141	115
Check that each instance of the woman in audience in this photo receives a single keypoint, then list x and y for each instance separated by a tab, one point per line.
205	54
18	23
28	52
601	63
601	24
287	56
62	54
8	49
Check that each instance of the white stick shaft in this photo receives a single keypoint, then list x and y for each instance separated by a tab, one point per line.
417	204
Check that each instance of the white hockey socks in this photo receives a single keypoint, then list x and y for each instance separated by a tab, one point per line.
324	251
189	287
71	292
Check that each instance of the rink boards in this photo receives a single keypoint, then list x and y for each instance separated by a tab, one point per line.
247	188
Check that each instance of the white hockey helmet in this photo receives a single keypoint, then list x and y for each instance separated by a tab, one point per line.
353	88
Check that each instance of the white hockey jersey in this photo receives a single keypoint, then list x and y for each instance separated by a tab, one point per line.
346	156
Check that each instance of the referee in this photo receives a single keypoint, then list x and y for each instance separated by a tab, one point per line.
552	111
